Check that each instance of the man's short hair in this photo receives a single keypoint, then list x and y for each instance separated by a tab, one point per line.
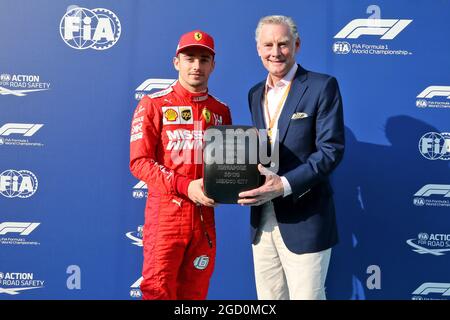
277	19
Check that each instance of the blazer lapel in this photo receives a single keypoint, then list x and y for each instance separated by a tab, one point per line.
257	112
298	88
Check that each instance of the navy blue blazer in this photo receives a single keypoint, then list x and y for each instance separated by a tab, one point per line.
310	149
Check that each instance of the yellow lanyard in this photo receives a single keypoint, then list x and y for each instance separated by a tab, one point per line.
277	111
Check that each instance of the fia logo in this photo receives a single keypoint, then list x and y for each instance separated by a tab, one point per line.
434	146
22	183
341	47
82	28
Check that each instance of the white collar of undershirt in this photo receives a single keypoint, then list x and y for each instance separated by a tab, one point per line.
285	80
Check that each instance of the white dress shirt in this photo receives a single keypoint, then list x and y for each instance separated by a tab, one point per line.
275	93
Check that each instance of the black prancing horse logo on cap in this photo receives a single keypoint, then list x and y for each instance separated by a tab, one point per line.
198	36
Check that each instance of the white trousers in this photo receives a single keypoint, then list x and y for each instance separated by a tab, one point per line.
281	274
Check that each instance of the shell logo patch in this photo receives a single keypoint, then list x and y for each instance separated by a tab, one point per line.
177	115
171	115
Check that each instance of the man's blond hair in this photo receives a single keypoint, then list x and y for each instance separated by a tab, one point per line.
277	19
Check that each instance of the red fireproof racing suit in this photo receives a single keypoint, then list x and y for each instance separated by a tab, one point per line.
166	152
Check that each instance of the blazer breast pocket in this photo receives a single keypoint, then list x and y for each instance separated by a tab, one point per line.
300	136
302	125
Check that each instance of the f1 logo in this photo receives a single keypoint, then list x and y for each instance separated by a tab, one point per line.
26	129
151	84
432	91
433	287
432	189
24	228
387	28
140	185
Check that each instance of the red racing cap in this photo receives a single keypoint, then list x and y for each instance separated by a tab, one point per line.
196	38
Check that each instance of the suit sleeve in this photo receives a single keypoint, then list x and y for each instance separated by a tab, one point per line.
329	142
146	131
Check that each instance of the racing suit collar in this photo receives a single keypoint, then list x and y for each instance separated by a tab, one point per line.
195	97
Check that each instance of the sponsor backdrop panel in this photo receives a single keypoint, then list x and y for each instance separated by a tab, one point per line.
71	74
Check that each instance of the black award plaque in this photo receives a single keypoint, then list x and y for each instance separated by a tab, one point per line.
230	162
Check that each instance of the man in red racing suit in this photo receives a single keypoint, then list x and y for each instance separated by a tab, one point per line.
179	238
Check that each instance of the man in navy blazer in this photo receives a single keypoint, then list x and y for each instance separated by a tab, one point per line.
293	224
